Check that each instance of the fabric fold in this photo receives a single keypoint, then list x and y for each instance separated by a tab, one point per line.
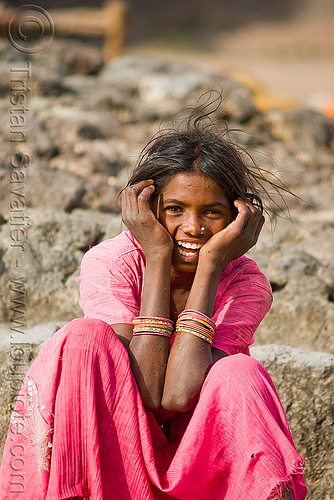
105	446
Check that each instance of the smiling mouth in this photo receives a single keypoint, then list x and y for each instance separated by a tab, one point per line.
188	250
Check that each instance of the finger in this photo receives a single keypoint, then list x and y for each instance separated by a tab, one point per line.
252	208
131	193
254	233
255	217
240	204
136	188
244	212
144	197
139	186
243	206
259	226
129	200
254	228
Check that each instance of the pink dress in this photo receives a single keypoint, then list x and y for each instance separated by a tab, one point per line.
79	428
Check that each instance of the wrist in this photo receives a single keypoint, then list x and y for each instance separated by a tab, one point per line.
211	267
159	256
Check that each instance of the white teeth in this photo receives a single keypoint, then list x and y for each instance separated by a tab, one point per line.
184	253
193	246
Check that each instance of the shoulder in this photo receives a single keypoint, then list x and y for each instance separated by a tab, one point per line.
244	271
111	277
121	247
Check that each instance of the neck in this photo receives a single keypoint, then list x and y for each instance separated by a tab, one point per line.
181	279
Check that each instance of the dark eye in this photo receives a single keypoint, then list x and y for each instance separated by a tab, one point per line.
173	208
212	212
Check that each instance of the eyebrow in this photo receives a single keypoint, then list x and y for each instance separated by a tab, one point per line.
208	205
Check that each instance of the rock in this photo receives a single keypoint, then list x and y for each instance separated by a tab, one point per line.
165	87
67	57
62	122
45	187
302	314
90	132
91	157
44	146
304	381
310	232
85	62
43	277
307	133
111	224
51	86
304	166
96	96
100	195
297	257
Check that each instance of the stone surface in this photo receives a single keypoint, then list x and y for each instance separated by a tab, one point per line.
164	88
303	131
298	261
303	310
48	268
304	381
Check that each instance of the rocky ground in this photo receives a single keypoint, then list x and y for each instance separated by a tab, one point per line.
85	126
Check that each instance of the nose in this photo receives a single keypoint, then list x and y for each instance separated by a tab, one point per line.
192	225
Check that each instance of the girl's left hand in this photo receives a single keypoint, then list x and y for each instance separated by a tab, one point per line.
236	239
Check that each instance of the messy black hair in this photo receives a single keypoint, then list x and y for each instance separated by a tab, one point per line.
200	144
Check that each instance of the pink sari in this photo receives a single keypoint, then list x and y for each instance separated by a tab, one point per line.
79	429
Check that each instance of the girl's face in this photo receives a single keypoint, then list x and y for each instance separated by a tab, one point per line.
192	207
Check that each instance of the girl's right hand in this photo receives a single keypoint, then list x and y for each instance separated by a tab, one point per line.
141	221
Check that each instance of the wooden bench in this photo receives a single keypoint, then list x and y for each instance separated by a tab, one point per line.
108	22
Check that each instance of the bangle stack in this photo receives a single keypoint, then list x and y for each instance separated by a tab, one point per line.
196	323
151	325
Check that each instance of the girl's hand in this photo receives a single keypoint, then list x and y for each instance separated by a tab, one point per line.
236	239
141	221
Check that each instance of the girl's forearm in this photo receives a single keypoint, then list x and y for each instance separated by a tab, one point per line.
191	357
156	287
149	353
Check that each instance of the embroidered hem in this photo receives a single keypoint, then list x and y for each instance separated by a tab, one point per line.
277	491
34	426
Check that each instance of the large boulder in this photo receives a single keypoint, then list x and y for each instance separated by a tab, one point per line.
304	381
41	273
304	131
47	187
162	88
302	314
297	259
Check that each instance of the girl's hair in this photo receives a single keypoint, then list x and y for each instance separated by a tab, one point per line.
198	145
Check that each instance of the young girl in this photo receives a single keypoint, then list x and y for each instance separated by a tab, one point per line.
153	395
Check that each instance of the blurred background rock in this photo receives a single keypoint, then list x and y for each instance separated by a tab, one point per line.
284	49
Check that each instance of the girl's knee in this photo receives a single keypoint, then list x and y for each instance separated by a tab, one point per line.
235	363
90	328
235	369
87	334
